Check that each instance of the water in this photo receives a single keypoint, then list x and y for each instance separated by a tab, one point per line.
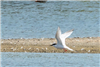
20	59
29	19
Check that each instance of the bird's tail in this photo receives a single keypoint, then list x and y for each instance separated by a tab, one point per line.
69	49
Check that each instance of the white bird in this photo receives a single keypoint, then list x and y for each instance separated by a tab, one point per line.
21	47
88	50
61	40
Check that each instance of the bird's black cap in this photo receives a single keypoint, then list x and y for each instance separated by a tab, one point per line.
53	44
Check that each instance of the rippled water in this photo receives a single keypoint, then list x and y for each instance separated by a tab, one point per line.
29	19
11	59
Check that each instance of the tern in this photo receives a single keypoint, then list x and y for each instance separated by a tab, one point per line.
61	40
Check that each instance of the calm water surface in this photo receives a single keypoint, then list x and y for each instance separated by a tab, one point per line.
29	19
20	59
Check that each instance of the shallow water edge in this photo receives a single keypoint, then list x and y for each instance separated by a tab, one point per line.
21	59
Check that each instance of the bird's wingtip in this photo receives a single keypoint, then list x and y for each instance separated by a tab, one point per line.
71	30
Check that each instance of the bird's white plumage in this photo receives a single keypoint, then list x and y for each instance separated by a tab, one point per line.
61	39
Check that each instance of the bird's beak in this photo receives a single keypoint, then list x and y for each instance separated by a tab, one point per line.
51	45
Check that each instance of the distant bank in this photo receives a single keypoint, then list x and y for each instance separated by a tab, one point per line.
81	45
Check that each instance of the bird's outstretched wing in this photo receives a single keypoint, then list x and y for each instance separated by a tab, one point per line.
67	34
61	37
64	36
58	36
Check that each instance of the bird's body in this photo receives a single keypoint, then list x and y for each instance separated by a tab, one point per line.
61	40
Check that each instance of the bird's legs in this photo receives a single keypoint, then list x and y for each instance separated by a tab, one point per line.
64	50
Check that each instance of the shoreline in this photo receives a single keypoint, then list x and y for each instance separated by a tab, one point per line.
42	45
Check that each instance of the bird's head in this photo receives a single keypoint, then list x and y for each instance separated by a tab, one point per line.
53	44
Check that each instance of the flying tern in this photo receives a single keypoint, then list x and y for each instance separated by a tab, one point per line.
61	40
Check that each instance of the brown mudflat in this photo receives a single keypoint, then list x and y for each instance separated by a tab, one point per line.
80	45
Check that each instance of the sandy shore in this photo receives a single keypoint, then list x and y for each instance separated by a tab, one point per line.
80	45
